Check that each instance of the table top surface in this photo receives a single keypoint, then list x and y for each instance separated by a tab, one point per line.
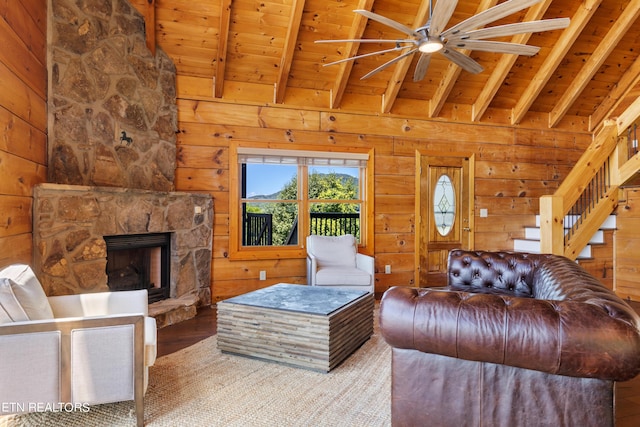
299	298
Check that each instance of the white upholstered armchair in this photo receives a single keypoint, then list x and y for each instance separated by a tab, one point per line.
335	261
76	350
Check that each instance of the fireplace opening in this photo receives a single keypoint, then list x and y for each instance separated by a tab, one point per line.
139	261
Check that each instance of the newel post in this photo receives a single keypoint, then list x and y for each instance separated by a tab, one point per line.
551	225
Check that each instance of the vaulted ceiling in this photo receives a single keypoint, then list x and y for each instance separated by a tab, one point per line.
264	52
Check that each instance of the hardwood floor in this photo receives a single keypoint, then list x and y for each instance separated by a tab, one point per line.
175	337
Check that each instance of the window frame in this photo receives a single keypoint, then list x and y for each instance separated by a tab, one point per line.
237	251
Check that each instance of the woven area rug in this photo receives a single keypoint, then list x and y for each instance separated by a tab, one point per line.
200	386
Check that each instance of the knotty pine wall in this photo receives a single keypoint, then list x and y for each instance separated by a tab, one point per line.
514	167
23	120
627	245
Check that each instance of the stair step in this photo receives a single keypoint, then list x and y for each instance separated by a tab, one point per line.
533	246
533	233
608	224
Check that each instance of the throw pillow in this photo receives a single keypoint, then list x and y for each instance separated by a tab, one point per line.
27	291
10	308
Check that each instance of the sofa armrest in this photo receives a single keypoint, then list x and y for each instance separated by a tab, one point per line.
100	304
365	263
558	337
312	269
74	345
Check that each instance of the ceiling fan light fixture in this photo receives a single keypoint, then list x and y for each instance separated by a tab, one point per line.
430	45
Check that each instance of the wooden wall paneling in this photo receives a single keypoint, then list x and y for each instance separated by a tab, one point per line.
19	175
22	100
627	246
21	60
394	223
23	149
190	179
15	215
511	175
15	249
20	138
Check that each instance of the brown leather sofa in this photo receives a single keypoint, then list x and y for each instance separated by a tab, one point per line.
514	339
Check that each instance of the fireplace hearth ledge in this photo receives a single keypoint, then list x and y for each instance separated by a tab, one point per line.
174	310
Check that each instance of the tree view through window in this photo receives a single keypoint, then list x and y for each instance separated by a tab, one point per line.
276	194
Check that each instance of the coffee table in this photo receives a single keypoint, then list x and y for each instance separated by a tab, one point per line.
305	326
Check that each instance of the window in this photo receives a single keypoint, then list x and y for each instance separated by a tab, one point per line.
283	195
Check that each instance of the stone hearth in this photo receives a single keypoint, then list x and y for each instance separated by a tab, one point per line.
70	253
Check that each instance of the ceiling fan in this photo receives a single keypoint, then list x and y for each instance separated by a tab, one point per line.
432	37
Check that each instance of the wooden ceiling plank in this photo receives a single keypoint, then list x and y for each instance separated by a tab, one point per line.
453	72
629	80
223	45
344	72
578	21
505	64
401	69
289	49
597	58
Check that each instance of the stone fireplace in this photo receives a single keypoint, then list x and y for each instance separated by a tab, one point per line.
70	224
112	123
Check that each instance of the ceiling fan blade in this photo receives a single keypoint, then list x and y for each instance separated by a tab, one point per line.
498	47
462	60
389	22
487	16
421	67
412	41
388	63
512	29
364	55
440	16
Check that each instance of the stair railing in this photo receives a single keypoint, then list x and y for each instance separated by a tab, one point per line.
589	194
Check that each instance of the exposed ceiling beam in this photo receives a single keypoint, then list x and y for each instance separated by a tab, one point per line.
630	79
569	35
595	61
344	71
505	64
150	25
223	42
453	71
402	67
289	48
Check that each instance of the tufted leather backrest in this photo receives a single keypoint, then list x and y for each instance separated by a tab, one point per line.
504	273
539	276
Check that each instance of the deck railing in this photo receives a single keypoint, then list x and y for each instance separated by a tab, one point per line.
258	227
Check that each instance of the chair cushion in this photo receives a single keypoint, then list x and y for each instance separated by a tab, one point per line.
21	295
333	251
342	276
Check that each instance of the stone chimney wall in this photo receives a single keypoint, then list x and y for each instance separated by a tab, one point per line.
112	105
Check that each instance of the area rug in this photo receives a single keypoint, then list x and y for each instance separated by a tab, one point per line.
200	386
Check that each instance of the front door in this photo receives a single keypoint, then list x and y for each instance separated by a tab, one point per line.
444	213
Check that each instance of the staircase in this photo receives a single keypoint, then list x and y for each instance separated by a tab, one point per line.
531	241
570	220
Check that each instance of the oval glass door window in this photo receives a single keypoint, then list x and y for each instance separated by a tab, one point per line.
444	205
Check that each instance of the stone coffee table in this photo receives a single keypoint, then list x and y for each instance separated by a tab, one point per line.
305	326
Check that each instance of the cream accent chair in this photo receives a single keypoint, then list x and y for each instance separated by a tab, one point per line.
334	261
75	350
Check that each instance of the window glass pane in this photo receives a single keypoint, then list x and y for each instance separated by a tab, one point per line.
444	205
330	183
335	219
270	224
268	181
